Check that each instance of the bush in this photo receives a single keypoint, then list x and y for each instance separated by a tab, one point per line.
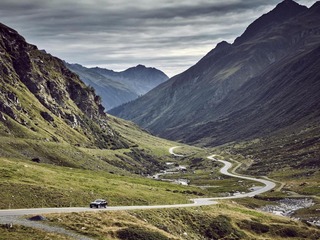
254	226
221	227
287	232
138	233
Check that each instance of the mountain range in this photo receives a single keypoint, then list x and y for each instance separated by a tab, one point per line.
116	88
265	83
257	99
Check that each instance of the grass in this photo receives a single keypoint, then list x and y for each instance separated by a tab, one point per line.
62	154
286	151
142	139
288	159
73	175
222	221
27	184
301	181
204	173
35	127
26	233
215	184
145	154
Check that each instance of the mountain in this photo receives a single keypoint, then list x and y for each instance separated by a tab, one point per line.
265	82
41	99
117	88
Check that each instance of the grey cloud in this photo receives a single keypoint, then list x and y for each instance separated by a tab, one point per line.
168	34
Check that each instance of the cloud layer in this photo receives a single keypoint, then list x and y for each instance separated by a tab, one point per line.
171	35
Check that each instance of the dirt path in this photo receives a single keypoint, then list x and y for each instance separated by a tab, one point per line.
41	225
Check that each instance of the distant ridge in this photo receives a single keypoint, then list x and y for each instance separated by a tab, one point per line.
117	88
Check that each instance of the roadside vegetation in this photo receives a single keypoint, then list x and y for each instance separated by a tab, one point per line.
25	185
26	233
290	160
223	221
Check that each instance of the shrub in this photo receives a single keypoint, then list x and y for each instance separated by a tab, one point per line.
221	227
254	226
138	233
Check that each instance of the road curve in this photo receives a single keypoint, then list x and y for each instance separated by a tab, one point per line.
196	202
224	170
171	151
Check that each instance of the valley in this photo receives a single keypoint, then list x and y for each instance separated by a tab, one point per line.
12	216
227	149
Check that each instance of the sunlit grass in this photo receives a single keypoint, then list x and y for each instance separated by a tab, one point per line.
225	219
27	184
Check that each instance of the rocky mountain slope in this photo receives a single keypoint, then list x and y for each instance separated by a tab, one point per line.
41	99
265	82
116	88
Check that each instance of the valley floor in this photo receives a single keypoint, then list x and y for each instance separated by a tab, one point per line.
14	224
12	216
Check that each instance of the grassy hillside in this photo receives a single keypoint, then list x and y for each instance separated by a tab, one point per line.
292	159
27	233
36	173
69	175
24	185
222	221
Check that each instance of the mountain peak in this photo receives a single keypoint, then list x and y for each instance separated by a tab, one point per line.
223	45
140	66
283	11
315	7
288	5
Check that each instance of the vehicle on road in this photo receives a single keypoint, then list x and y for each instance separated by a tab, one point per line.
99	203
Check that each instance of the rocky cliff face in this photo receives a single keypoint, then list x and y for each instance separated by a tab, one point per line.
116	88
41	98
203	104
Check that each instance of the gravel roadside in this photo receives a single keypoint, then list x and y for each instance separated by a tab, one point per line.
15	220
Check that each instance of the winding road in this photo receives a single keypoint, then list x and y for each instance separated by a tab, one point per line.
171	151
196	202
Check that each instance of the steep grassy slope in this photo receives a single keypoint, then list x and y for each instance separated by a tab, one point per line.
29	175
41	99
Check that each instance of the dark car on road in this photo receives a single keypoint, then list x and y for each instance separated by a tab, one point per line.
99	203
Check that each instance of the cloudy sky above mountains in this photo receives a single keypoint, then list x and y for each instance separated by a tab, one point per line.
171	35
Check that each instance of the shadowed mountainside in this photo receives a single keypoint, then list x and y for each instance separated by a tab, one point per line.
116	88
266	81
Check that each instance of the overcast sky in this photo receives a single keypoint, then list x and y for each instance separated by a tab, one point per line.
171	35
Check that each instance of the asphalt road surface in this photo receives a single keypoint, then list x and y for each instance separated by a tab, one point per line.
171	151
